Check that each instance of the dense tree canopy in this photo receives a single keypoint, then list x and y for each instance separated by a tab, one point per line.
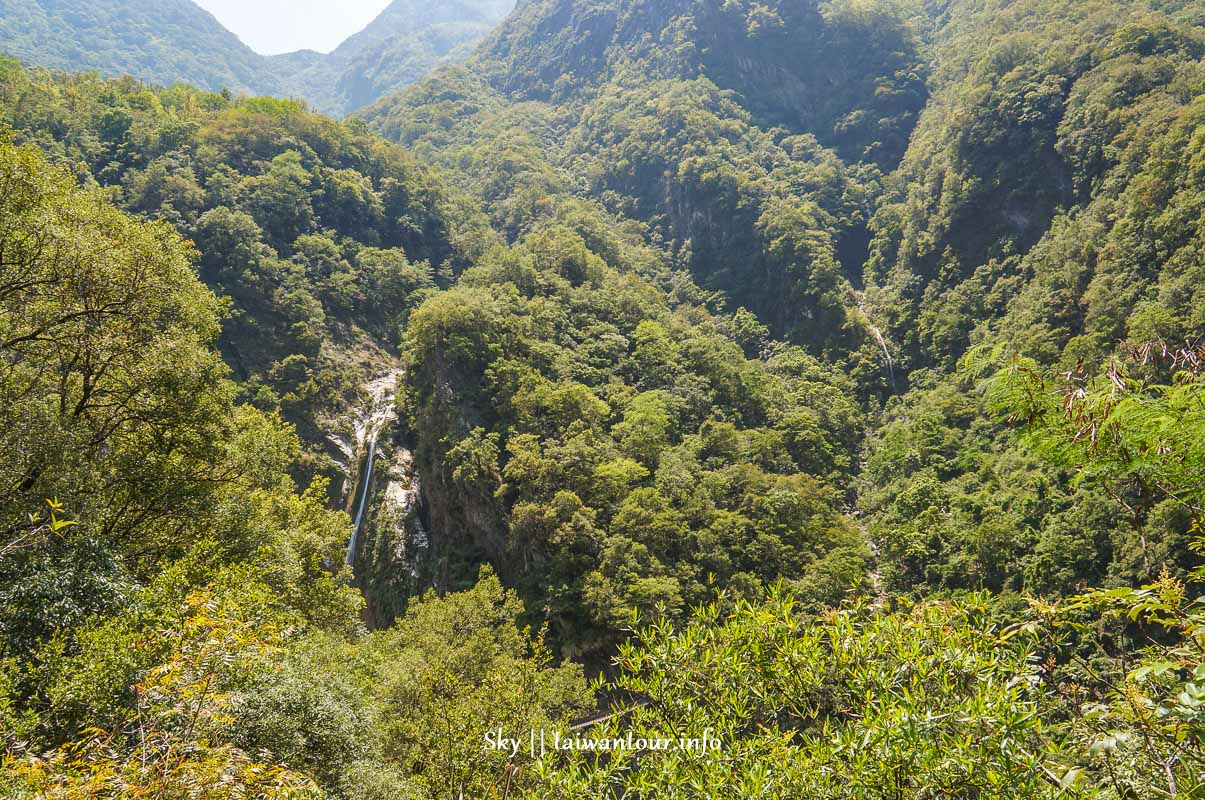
824	378
319	238
614	451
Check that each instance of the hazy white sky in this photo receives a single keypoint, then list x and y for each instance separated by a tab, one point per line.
280	26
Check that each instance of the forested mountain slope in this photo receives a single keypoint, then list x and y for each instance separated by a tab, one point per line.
174	596
402	45
1050	202
756	168
1021	188
827	378
164	41
321	238
1047	199
176	41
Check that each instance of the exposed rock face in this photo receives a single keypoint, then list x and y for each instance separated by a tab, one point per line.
378	414
394	562
390	549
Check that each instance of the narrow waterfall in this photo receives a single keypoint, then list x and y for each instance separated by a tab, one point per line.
367	484
879	338
378	415
878	335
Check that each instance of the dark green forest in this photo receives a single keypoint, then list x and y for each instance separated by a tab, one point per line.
827	378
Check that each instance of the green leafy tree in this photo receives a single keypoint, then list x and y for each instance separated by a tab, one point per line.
859	703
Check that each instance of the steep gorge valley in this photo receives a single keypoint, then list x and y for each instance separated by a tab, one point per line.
822	376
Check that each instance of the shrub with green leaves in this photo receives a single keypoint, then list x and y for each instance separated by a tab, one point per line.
928	701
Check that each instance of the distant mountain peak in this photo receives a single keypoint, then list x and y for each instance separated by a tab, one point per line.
161	41
172	41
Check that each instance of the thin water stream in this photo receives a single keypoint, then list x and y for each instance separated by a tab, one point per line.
377	416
